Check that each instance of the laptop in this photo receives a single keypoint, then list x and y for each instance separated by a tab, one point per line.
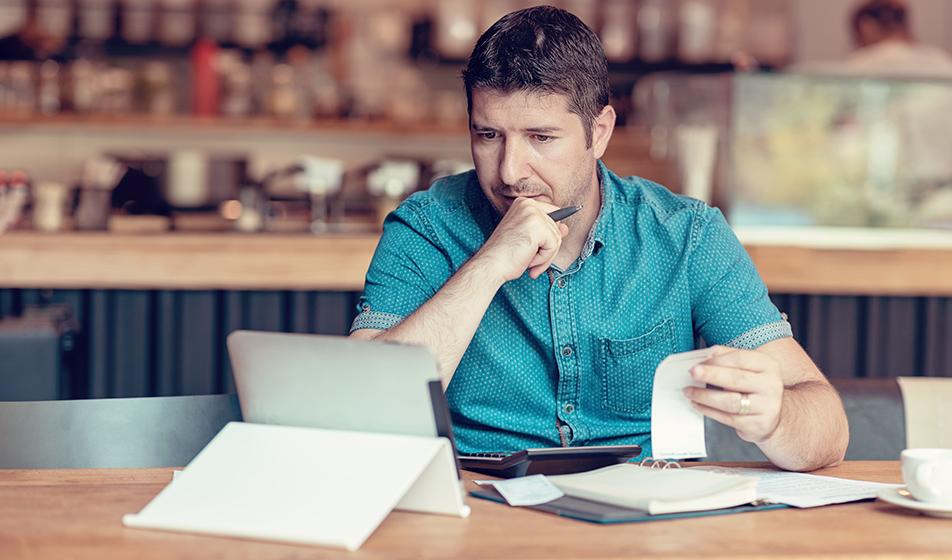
341	383
338	383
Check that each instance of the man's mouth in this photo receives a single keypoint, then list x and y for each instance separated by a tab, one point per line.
521	195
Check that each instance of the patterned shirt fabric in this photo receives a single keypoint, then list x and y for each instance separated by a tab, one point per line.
568	359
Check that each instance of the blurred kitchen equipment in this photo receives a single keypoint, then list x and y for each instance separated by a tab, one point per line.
185	180
456	30
196	180
320	178
186	184
697	150
49	205
252	207
390	183
100	177
13	197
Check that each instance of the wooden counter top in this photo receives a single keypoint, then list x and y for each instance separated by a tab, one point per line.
77	514
185	261
339	262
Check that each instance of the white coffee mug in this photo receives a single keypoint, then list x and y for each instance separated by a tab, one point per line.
928	474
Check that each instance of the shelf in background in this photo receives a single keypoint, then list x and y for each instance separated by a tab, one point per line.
227	124
191	261
628	152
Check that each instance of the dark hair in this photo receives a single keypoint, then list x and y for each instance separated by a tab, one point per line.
546	50
890	15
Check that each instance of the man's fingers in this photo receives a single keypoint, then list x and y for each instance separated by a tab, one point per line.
727	378
725	401
713	413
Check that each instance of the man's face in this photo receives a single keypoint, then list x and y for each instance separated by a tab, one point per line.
530	145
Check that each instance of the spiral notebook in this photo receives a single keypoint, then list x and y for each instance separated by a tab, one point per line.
631	492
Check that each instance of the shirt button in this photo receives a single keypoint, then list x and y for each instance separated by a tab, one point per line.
567	350
568	408
561	283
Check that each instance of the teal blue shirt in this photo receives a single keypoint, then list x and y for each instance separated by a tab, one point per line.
569	358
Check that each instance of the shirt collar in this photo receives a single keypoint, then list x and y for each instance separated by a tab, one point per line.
596	237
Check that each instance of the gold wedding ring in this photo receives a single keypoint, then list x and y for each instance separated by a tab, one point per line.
744	404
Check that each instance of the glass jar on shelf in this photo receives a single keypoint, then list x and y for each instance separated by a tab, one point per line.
697	31
137	19
177	22
234	75
285	100
95	19
654	31
618	30
157	89
48	92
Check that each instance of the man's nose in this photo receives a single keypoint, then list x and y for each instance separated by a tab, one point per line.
514	167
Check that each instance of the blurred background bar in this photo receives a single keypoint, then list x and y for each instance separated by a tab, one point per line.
171	170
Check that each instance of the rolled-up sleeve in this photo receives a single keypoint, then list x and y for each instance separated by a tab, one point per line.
407	269
729	300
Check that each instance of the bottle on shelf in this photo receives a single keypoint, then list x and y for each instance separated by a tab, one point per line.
204	78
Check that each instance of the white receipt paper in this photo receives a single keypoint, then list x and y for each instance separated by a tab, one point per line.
528	490
677	430
805	490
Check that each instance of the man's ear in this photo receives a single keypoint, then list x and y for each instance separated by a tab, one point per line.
602	129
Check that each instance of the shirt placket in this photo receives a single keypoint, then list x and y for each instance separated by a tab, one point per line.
565	343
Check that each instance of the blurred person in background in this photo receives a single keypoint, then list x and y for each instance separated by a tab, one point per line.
885	47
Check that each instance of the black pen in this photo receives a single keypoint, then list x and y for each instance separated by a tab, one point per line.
562	213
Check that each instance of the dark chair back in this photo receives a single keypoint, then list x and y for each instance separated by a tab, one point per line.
103	433
874	409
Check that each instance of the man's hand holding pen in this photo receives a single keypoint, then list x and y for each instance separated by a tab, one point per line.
528	238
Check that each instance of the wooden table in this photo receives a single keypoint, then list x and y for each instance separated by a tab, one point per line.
76	514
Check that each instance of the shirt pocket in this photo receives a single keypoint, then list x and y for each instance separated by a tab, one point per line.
628	367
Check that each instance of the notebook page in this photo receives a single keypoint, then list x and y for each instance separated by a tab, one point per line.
657	490
804	490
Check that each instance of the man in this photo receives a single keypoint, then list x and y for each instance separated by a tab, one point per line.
885	47
549	333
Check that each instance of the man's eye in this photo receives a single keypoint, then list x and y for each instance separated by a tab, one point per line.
543	139
487	135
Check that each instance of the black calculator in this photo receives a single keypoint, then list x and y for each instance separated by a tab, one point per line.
548	460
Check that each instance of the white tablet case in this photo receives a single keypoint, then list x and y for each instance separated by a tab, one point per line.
305	485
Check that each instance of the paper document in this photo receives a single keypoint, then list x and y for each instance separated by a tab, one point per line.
528	490
677	430
805	490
